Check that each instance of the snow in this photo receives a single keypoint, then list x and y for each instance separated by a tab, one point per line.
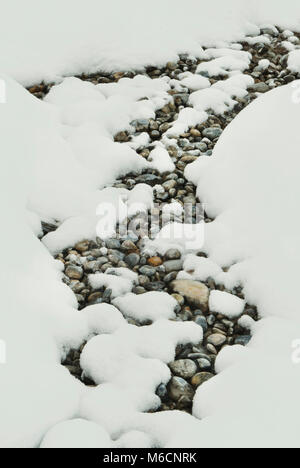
294	61
200	269
149	306
76	433
59	156
160	160
118	285
226	304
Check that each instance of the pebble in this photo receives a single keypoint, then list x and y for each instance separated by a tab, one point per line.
196	294
212	132
173	254
184	368
147	271
82	246
173	265
216	339
112	244
204	364
242	340
74	272
202	322
162	392
154	261
132	260
201	378
179	388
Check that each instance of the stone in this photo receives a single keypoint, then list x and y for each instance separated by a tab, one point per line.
170	277
178	388
74	272
242	340
162	392
147	271
173	254
184	368
201	378
112	244
212	132
154	261
128	246
82	246
202	322
196	293
132	260
204	364
216	339
173	265
195	133
94	297
179	299
155	286
260	87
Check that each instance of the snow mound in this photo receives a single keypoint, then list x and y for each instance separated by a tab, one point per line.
149	306
226	304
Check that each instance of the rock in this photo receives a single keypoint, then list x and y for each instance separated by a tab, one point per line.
211	349
74	272
162	392
155	261
242	340
184	368
173	265
95	297
260	87
196	293
216	340
170	277
128	246
195	133
82	246
150	179
179	388
121	137
112	244
169	184
173	254
179	299
147	271
132	260
201	378
212	132
155	286
204	364
202	322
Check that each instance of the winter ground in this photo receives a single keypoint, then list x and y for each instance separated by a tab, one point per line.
68	155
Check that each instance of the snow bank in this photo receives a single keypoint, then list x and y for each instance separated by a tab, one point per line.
262	245
116	36
38	317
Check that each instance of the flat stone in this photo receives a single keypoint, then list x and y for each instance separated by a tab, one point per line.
112	244
196	293
184	368
173	265
147	271
216	339
260	87
212	132
201	378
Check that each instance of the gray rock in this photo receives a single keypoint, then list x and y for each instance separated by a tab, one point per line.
162	392
212	132
179	388
260	87
132	260
147	271
173	265
184	368
112	244
202	322
204	364
242	340
173	254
